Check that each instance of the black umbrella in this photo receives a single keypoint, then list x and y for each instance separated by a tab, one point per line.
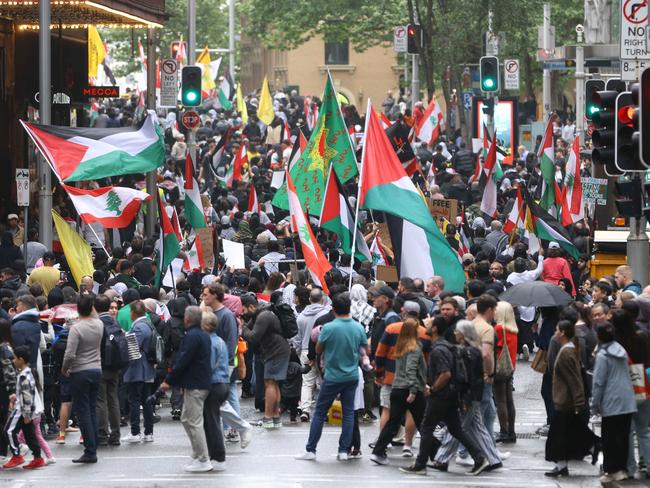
536	294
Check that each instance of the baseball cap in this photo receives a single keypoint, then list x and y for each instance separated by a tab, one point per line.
467	258
553	245
386	291
411	307
12	216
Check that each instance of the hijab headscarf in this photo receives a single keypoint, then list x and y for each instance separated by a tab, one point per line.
244	232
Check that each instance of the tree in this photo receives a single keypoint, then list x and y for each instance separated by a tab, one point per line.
113	202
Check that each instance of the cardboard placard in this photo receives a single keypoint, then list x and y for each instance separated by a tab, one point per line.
205	237
387	274
384	235
447	208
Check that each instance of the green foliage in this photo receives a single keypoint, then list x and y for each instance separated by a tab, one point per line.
211	29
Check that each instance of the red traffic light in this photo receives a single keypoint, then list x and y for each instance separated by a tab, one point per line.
626	115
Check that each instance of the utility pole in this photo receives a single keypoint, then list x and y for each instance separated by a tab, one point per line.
580	85
491	97
150	216
638	246
45	117
415	73
191	60
546	77
231	38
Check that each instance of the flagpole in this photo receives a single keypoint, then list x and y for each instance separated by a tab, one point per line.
100	241
356	211
329	75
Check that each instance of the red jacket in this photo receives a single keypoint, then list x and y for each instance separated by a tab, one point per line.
555	269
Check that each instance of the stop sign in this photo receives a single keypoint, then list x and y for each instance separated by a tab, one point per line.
191	119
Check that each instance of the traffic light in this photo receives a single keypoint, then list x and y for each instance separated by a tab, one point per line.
629	199
643	117
413	38
616	84
488	107
604	135
489	70
627	149
646	208
591	87
191	86
174	48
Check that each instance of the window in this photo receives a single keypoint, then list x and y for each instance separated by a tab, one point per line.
337	53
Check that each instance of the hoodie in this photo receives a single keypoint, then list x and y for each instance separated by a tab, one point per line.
26	331
306	320
612	392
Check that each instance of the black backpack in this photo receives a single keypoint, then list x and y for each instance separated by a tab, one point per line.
115	355
466	374
155	354
288	324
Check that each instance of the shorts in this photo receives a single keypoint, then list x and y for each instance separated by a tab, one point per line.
384	395
276	368
65	390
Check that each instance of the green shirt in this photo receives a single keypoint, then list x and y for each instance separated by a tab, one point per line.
341	340
124	318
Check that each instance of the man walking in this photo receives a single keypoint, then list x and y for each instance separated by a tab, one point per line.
339	342
486	306
192	371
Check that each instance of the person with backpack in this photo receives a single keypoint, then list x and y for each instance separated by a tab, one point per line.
446	375
139	376
265	331
115	357
173	335
470	396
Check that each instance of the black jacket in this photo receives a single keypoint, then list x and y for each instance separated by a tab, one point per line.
464	162
192	369
26	331
143	271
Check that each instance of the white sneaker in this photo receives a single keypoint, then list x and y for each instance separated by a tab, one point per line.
468	461
50	460
504	455
245	437
219	466
132	439
199	467
525	352
24	450
407	452
342	456
148	438
306	456
620	475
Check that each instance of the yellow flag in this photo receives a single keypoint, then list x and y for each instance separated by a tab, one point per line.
95	51
77	251
265	110
241	105
207	80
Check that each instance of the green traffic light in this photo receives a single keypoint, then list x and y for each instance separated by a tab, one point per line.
488	83
191	96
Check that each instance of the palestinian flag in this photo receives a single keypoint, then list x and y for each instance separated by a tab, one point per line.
337	216
329	145
226	91
226	181
286	133
487	183
193	205
386	187
81	153
573	208
112	206
315	260
399	136
253	202
218	156
377	253
546	156
548	228
168	244
428	129
516	215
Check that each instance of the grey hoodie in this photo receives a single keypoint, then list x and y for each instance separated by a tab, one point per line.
612	392
306	320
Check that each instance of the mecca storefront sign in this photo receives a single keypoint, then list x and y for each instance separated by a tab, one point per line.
88	92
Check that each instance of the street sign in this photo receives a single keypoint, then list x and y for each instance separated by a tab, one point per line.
168	83
511	74
491	44
560	64
467	100
191	119
594	190
634	17
22	187
631	69
399	39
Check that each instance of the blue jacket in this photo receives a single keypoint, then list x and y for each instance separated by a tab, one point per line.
612	392
141	369
26	331
192	368
219	360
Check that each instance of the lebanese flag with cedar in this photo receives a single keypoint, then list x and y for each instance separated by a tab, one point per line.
253	203
112	206
429	128
315	260
573	208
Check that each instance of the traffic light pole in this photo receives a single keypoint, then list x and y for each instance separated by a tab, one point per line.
191	60
150	216
638	248
415	81
45	111
580	91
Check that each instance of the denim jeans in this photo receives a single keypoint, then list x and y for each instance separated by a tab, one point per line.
328	392
233	398
488	410
640	425
85	386
138	393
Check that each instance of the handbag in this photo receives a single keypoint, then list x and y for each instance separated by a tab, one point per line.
540	361
639	380
504	367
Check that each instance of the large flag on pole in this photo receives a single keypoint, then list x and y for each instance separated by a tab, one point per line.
226	91
573	208
207	78
329	145
385	186
337	216
96	51
112	206
516	215
265	111
546	227
82	153
193	206
77	251
168	244
487	183
315	260
546	156
428	129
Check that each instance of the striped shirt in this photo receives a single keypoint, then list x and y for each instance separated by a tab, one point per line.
385	355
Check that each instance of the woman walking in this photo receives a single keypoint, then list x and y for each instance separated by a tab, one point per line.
613	398
408	387
568	436
506	332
